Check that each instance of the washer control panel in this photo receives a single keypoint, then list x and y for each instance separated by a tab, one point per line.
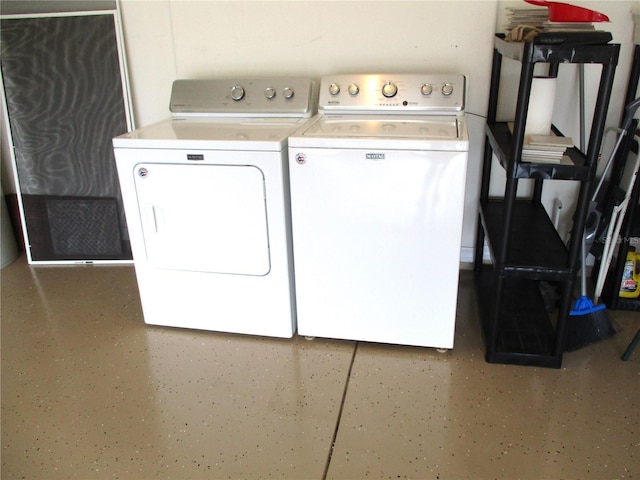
393	93
274	96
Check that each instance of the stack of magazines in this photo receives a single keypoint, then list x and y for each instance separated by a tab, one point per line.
546	149
524	23
533	17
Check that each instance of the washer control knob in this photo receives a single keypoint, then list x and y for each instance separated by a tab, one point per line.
389	89
287	92
334	89
237	93
353	89
426	89
270	92
447	89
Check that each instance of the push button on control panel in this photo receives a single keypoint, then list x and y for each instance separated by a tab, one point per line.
287	92
237	92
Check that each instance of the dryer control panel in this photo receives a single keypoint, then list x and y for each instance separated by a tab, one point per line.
243	97
433	94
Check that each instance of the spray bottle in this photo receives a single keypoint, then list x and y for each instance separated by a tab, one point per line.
630	285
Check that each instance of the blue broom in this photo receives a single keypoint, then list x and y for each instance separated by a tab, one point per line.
587	323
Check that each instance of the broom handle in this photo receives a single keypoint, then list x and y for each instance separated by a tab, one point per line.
583	269
583	273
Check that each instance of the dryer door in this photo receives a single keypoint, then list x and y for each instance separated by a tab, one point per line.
209	218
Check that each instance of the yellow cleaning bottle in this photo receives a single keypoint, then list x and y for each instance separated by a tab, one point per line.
630	285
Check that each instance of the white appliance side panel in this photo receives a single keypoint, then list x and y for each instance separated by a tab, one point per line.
208	218
377	243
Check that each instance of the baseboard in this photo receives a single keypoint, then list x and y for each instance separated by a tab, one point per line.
467	256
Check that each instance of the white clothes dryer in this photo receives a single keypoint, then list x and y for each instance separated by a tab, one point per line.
206	198
377	191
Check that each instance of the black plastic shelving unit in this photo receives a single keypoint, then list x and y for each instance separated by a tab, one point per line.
526	250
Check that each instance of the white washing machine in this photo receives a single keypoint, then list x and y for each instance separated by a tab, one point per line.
377	193
206	198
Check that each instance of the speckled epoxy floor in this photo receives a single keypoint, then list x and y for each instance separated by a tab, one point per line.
91	392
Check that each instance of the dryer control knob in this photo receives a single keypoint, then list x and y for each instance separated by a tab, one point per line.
353	89
334	89
426	89
237	93
287	92
389	89
447	89
270	92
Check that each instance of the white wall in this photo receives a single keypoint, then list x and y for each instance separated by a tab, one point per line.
170	39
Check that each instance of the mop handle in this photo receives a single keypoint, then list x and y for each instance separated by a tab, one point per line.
608	165
583	135
613	231
629	112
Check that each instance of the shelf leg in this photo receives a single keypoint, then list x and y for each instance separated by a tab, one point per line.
631	347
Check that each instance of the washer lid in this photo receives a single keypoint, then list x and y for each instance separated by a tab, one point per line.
406	127
425	132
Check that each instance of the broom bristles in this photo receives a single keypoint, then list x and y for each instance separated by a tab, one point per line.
587	324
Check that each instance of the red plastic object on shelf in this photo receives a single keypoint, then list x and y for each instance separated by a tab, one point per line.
564	12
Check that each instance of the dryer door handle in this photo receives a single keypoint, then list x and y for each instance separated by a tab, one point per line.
154	218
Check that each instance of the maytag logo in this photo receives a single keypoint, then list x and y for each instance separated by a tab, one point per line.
375	156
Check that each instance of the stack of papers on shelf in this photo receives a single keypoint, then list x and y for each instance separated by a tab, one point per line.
524	23
534	17
546	149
